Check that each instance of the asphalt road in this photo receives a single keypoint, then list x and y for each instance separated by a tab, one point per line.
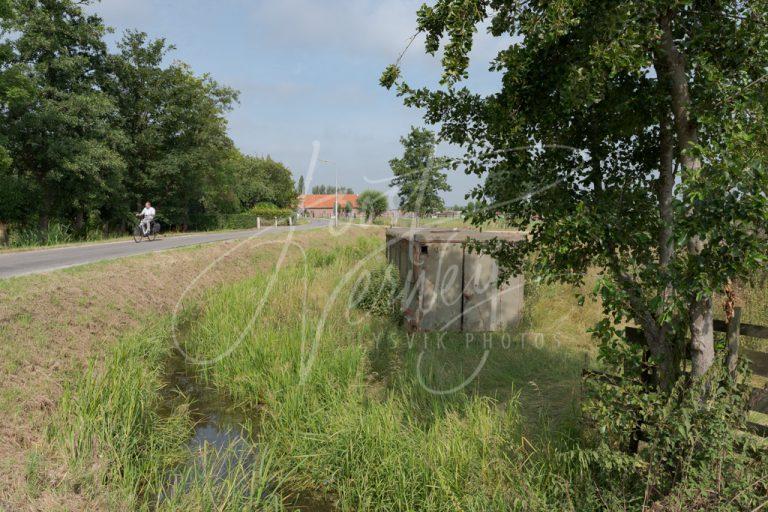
44	260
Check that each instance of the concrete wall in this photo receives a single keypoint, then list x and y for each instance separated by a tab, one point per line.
446	287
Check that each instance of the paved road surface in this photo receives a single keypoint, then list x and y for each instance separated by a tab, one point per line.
44	260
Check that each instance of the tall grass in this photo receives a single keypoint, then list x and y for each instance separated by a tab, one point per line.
343	407
56	233
126	438
344	414
221	479
112	427
359	425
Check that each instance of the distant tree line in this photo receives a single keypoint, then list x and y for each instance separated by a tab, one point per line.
331	189
88	135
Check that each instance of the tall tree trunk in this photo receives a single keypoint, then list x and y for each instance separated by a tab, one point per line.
664	350
44	222
669	352
4	238
45	205
702	335
700	307
665	192
79	220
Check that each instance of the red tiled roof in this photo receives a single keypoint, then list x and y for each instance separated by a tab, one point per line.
326	201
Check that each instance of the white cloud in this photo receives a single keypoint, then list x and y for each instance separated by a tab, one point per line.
128	12
361	29
355	26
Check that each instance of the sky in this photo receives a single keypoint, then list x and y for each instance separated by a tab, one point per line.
308	72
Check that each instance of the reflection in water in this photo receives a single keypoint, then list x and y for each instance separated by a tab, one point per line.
223	446
220	448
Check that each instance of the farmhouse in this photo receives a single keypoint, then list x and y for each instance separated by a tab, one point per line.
321	205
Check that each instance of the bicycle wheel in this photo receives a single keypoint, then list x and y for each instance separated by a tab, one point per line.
138	234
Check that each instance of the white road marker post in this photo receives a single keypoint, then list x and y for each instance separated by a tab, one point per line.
258	222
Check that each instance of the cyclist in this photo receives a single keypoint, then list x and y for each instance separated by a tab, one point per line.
147	216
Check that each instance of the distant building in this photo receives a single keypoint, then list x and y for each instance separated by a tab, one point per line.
321	205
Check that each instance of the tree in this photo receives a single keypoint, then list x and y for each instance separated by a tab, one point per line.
87	136
15	90
630	137
280	179
65	139
300	186
13	196
262	180
644	131
418	174
179	152
140	90
372	203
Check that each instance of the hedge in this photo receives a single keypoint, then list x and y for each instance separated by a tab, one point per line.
268	211
247	220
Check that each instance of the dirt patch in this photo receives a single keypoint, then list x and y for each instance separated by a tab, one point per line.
51	325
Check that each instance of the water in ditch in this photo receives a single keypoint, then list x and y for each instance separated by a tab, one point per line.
220	447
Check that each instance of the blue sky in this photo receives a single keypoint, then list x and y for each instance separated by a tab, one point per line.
307	71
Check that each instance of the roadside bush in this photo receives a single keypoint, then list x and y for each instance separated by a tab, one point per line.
237	221
372	204
270	211
693	456
246	220
57	233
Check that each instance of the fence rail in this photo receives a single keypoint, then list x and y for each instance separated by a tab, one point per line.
758	362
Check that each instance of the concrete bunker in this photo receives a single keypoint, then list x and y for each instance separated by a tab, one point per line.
447	287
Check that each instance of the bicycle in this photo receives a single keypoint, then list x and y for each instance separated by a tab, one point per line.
139	235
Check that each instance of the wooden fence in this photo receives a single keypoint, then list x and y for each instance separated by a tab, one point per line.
733	330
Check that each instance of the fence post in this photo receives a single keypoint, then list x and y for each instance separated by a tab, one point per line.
290	221
258	222
732	338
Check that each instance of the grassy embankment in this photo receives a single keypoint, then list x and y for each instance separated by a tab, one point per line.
337	409
336	405
51	325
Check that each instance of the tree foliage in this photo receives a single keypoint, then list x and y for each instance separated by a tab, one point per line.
262	180
627	136
372	203
88	136
64	139
419	174
15	90
331	189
